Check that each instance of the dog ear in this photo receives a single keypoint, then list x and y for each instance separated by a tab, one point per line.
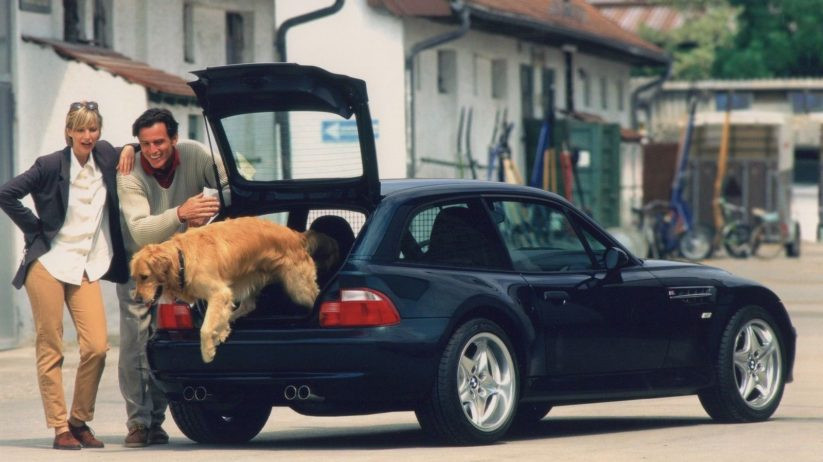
322	248
162	265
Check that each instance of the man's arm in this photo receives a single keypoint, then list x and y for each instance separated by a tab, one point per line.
144	227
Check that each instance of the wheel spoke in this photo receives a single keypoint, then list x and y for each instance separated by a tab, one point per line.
746	385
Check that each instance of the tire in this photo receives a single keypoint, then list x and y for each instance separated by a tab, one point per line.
767	240
475	391
696	244
204	425
529	414
749	369
737	240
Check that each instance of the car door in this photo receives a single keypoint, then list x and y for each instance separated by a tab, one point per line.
593	321
290	135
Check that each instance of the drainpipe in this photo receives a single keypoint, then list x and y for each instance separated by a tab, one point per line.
281	119
658	82
280	40
459	8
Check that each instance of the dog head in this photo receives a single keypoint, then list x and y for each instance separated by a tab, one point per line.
323	250
153	268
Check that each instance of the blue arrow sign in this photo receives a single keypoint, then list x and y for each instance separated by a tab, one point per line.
342	131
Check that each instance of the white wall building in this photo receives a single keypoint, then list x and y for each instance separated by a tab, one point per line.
512	57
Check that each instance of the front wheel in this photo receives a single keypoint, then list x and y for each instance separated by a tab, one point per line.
475	391
696	244
749	369
737	240
224	426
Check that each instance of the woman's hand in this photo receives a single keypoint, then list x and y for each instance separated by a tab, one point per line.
126	163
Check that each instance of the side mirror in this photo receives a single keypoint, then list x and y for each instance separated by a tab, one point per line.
615	258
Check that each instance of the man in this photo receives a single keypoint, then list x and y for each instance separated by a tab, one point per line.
163	195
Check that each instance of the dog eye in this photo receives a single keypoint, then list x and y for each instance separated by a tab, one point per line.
143	277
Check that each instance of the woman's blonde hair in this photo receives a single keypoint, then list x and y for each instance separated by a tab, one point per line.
82	116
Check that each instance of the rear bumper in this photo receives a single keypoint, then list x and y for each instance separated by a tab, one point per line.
385	367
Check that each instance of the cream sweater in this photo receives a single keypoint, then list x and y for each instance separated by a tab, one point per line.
148	212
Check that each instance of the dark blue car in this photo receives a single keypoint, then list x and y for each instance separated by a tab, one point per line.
478	305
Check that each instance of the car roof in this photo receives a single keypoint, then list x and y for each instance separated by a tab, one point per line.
433	187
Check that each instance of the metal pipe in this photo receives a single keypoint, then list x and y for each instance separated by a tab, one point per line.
635	98
280	38
459	8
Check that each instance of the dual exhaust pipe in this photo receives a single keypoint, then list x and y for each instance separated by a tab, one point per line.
198	393
300	393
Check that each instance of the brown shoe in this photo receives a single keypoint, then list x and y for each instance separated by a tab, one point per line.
138	437
85	436
66	440
157	435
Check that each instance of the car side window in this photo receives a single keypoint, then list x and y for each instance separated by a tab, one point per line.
540	237
454	234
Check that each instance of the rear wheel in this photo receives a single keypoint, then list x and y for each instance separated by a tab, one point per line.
793	247
475	390
768	240
749	369
224	426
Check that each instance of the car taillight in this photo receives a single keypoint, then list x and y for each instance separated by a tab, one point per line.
359	308
174	316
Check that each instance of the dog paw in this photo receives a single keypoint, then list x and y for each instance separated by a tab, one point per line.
222	336
207	352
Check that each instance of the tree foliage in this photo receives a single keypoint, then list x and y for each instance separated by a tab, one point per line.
708	25
776	38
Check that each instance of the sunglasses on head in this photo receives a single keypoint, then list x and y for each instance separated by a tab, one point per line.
90	105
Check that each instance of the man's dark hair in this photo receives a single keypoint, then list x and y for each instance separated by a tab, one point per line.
151	117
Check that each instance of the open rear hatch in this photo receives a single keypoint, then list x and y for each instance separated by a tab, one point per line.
290	135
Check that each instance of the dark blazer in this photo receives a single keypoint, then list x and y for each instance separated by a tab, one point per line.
48	183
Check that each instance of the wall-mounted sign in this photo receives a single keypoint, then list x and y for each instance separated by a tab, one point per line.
36	6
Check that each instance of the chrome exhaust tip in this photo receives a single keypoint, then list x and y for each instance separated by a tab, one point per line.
303	392
188	393
200	393
290	392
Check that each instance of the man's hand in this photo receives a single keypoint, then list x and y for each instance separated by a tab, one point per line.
198	209
126	163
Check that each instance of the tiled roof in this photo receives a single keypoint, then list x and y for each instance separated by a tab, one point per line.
548	21
110	61
631	15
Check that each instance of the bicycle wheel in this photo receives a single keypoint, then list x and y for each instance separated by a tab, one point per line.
696	244
737	240
768	239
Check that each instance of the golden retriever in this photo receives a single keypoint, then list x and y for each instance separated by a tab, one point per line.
232	260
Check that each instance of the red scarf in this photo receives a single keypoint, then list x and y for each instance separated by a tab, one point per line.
165	174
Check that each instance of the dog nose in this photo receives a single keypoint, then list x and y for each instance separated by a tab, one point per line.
135	296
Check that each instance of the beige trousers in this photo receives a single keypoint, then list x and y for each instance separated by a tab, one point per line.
85	302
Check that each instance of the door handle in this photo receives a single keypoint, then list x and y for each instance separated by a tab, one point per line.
556	296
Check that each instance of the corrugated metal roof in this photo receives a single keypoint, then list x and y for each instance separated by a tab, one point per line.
110	61
576	20
630	15
810	83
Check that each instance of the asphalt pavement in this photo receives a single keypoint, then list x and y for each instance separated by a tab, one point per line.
670	429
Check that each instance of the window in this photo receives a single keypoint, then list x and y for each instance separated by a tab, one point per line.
499	78
195	128
604	93
446	71
739	100
587	88
102	23
540	237
527	91
73	13
806	101
621	104
235	38
188	33
456	234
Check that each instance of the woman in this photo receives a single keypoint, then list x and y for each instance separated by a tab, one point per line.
73	241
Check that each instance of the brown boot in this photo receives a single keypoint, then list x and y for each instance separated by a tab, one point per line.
157	435
85	436
138	437
66	440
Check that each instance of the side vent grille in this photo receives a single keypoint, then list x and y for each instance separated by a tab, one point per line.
692	295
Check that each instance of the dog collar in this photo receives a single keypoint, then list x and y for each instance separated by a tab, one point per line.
181	273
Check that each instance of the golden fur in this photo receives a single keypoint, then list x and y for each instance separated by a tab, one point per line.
232	260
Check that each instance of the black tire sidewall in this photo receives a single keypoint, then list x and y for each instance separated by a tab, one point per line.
725	366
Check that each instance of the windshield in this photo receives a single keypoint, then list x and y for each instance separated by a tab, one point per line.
274	146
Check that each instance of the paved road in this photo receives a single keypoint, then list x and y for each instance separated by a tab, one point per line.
672	429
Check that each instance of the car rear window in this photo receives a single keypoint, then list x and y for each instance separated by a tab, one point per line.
274	146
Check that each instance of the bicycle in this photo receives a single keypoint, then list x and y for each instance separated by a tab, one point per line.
736	234
770	236
666	229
